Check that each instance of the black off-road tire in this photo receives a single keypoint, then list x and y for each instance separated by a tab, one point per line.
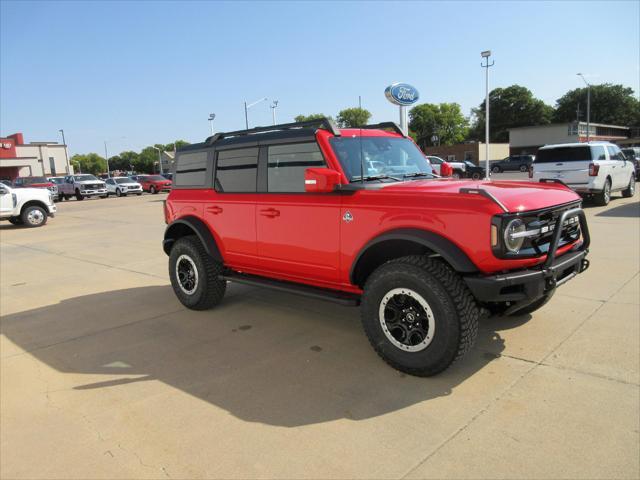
454	310
210	288
631	188
604	197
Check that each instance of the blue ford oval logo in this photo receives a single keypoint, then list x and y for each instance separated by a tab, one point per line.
401	94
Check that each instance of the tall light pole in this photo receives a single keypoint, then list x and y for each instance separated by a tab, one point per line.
588	108
159	158
246	110
106	157
66	154
212	117
486	54
273	107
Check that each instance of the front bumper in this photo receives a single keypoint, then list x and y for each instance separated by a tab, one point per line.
521	288
90	193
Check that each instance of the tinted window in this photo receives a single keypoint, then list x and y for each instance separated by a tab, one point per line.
191	169
564	154
31	180
614	153
122	180
236	170
287	164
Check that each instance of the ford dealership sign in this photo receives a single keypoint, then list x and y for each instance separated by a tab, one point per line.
401	94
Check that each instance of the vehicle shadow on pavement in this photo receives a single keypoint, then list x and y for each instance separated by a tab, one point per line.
629	210
263	356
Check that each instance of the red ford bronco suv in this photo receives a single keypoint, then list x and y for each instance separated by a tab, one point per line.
357	216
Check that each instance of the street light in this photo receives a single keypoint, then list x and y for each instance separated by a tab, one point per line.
273	107
106	155
159	158
486	54
212	116
588	108
66	154
246	109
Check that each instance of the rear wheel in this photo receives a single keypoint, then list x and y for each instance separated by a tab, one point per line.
195	274
475	176
631	188
34	216
523	168
456	174
419	315
604	196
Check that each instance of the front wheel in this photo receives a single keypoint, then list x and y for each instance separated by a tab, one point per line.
631	188
495	169
604	196
195	274
79	196
118	192
523	168
419	315
34	216
153	190
476	176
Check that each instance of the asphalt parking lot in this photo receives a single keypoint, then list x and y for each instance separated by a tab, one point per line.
103	374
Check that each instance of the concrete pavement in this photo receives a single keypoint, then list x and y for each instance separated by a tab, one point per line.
103	374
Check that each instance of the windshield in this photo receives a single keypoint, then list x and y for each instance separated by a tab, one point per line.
379	156
31	180
123	180
154	178
82	178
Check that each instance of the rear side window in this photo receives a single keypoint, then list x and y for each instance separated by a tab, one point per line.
236	170
597	153
614	153
191	170
287	164
564	154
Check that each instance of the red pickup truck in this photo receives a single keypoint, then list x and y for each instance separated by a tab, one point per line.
357	216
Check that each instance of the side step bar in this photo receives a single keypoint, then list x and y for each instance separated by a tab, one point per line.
342	298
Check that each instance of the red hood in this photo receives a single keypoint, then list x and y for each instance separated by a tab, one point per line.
515	196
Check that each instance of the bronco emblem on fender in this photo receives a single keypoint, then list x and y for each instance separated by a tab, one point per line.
347	217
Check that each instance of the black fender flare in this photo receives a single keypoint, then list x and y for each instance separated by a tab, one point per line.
449	251
181	226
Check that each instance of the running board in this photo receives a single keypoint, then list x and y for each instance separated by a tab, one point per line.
342	298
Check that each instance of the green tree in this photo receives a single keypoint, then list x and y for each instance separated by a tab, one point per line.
146	160
612	104
89	163
510	107
444	120
306	118
129	159
353	117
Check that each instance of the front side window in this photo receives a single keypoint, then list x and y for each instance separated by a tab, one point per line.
287	163
370	158
236	170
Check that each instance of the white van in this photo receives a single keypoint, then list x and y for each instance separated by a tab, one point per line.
595	169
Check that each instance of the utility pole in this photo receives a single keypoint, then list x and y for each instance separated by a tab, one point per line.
486	54
106	157
359	102
66	153
588	108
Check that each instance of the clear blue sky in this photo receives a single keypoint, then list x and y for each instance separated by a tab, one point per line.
152	71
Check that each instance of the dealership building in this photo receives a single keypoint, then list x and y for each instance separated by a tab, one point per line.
19	159
523	140
472	151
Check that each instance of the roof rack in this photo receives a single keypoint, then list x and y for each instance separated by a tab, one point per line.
393	125
326	123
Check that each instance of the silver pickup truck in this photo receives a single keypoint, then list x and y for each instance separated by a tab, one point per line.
81	186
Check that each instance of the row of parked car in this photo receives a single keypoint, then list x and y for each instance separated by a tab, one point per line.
85	185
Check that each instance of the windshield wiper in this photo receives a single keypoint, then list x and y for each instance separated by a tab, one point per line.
374	177
420	174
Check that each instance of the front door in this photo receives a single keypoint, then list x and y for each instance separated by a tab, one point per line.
619	174
6	201
298	232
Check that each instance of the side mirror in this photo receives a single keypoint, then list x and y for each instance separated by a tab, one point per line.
320	180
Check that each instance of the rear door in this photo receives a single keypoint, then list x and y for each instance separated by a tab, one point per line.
569	164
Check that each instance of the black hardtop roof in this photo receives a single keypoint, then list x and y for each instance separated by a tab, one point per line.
276	134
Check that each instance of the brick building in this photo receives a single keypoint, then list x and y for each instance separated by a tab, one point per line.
19	159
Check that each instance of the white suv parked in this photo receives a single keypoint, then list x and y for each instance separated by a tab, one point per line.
594	169
121	186
26	206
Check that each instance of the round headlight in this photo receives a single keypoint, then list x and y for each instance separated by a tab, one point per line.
514	244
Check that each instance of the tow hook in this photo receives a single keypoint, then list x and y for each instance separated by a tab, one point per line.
585	265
